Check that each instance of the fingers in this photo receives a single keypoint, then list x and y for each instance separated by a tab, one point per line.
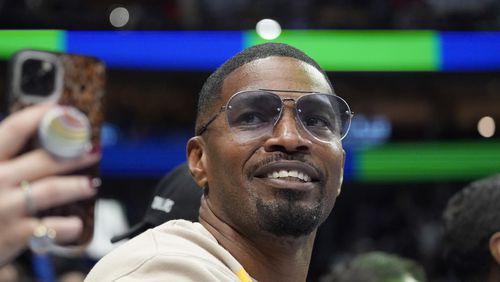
39	163
67	228
55	191
9	273
17	128
15	236
46	193
45	190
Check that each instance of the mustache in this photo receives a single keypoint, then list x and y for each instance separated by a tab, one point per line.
280	156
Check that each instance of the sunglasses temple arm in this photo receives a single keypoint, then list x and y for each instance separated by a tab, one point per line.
204	127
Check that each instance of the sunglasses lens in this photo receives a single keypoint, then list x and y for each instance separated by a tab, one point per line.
326	117
252	114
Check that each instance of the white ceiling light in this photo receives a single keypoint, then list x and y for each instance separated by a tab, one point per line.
119	17
268	29
486	127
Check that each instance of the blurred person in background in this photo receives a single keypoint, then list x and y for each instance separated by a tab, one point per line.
176	196
472	231
377	267
32	182
269	157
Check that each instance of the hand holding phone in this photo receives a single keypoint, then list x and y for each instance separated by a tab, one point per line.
76	83
44	177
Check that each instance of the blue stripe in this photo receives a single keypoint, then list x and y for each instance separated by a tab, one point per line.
142	159
173	50
140	162
470	51
350	165
155	160
206	50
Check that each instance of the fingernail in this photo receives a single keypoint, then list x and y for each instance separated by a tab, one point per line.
95	182
88	148
93	149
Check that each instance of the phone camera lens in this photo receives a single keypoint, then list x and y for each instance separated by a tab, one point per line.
38	77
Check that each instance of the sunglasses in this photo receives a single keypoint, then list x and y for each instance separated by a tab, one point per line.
253	114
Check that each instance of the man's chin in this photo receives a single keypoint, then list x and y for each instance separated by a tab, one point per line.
288	218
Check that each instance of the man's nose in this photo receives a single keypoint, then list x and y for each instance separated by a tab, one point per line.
288	136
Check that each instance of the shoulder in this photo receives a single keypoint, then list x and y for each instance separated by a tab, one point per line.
178	250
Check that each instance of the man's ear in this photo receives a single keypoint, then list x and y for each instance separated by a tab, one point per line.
197	161
342	172
495	246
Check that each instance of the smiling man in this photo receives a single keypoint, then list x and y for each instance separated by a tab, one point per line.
269	157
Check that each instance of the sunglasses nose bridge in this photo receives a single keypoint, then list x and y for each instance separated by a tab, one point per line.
287	123
286	110
288	105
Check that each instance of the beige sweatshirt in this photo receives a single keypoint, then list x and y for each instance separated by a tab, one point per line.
177	250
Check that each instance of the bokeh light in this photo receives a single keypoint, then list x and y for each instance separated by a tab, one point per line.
486	127
119	17
268	29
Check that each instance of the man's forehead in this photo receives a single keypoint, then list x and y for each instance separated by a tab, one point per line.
274	72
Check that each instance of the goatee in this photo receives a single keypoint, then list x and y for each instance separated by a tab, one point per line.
286	216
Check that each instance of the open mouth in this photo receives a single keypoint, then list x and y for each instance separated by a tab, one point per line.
291	175
294	171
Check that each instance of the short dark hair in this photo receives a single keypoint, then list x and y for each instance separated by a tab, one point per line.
212	87
471	217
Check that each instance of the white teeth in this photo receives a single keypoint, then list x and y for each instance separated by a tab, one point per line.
292	173
301	175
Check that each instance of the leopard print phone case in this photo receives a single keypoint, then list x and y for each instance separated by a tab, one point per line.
71	80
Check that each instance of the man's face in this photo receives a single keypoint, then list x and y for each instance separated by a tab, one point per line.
241	191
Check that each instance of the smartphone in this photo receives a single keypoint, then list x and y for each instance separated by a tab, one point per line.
36	76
